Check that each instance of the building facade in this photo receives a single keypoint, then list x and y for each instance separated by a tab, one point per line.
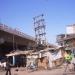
67	40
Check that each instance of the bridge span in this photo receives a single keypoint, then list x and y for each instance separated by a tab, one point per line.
12	39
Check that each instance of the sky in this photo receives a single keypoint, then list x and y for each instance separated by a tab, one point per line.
57	14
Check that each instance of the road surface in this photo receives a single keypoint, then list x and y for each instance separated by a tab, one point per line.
22	71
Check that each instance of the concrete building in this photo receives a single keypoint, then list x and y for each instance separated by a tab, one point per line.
70	29
67	40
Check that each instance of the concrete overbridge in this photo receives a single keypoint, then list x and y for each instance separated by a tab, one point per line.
12	39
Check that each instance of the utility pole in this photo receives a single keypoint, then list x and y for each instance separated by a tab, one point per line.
39	28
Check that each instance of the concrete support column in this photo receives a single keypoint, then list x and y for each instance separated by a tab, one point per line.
13	60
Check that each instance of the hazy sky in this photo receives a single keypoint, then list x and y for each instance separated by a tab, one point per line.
57	14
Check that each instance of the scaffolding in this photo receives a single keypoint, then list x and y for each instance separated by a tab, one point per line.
39	28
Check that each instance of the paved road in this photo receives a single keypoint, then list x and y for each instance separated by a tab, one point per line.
22	71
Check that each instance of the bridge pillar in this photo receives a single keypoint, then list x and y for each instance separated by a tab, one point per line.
13	60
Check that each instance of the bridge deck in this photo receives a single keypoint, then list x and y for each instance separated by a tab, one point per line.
11	39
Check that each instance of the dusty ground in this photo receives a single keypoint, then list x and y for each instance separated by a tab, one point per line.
22	71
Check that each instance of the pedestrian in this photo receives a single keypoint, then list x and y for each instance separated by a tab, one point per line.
68	58
8	68
73	62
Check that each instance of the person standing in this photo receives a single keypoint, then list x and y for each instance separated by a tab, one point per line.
67	58
8	68
73	62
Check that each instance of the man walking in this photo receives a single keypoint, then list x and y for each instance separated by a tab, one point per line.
73	62
68	58
8	68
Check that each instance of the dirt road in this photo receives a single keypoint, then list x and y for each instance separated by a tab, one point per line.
22	71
